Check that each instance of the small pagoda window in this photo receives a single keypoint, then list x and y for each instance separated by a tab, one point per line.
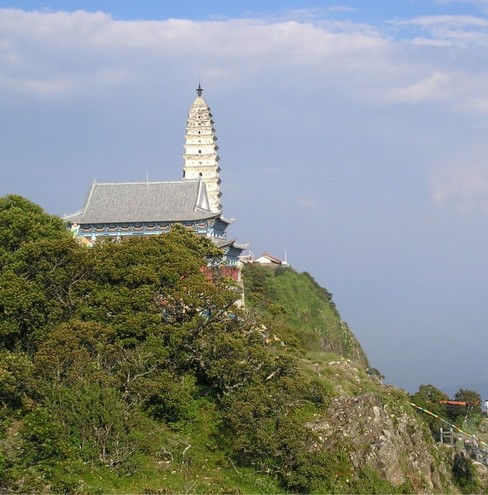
199	151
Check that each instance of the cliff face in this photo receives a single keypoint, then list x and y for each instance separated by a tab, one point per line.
384	437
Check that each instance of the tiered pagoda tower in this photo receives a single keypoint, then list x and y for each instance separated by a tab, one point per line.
201	160
114	210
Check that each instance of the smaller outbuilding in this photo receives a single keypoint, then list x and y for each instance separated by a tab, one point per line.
268	259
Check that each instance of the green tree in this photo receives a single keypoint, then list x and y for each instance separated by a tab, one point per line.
40	265
22	311
22	221
429	395
472	397
470	411
141	282
77	378
15	378
430	398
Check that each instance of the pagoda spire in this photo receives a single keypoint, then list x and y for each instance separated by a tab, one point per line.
201	160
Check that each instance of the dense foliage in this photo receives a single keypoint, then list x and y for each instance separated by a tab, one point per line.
463	411
461	414
111	356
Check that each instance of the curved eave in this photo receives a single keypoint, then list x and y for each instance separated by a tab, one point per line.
73	217
222	243
227	220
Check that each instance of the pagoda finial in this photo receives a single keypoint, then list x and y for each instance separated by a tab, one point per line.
199	90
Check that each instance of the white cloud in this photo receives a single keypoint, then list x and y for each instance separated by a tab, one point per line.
38	50
449	30
80	54
341	8
481	4
477	105
306	202
429	89
60	86
460	91
463	186
455	21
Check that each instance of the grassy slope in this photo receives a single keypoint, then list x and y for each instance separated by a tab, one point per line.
299	311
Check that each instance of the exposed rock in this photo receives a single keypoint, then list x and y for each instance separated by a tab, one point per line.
384	436
482	473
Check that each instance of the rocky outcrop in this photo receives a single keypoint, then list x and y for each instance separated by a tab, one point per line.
385	436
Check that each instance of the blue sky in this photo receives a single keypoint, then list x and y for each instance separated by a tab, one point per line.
352	135
376	12
203	10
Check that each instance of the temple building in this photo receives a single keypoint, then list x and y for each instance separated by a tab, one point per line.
118	209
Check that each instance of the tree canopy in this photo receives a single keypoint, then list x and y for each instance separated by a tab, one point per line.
106	351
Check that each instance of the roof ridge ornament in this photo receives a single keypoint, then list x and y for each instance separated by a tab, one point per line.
199	90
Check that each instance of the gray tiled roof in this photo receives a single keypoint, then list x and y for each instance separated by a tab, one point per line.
144	202
221	243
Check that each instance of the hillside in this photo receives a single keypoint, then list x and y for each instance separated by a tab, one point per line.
299	311
367	427
123	369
